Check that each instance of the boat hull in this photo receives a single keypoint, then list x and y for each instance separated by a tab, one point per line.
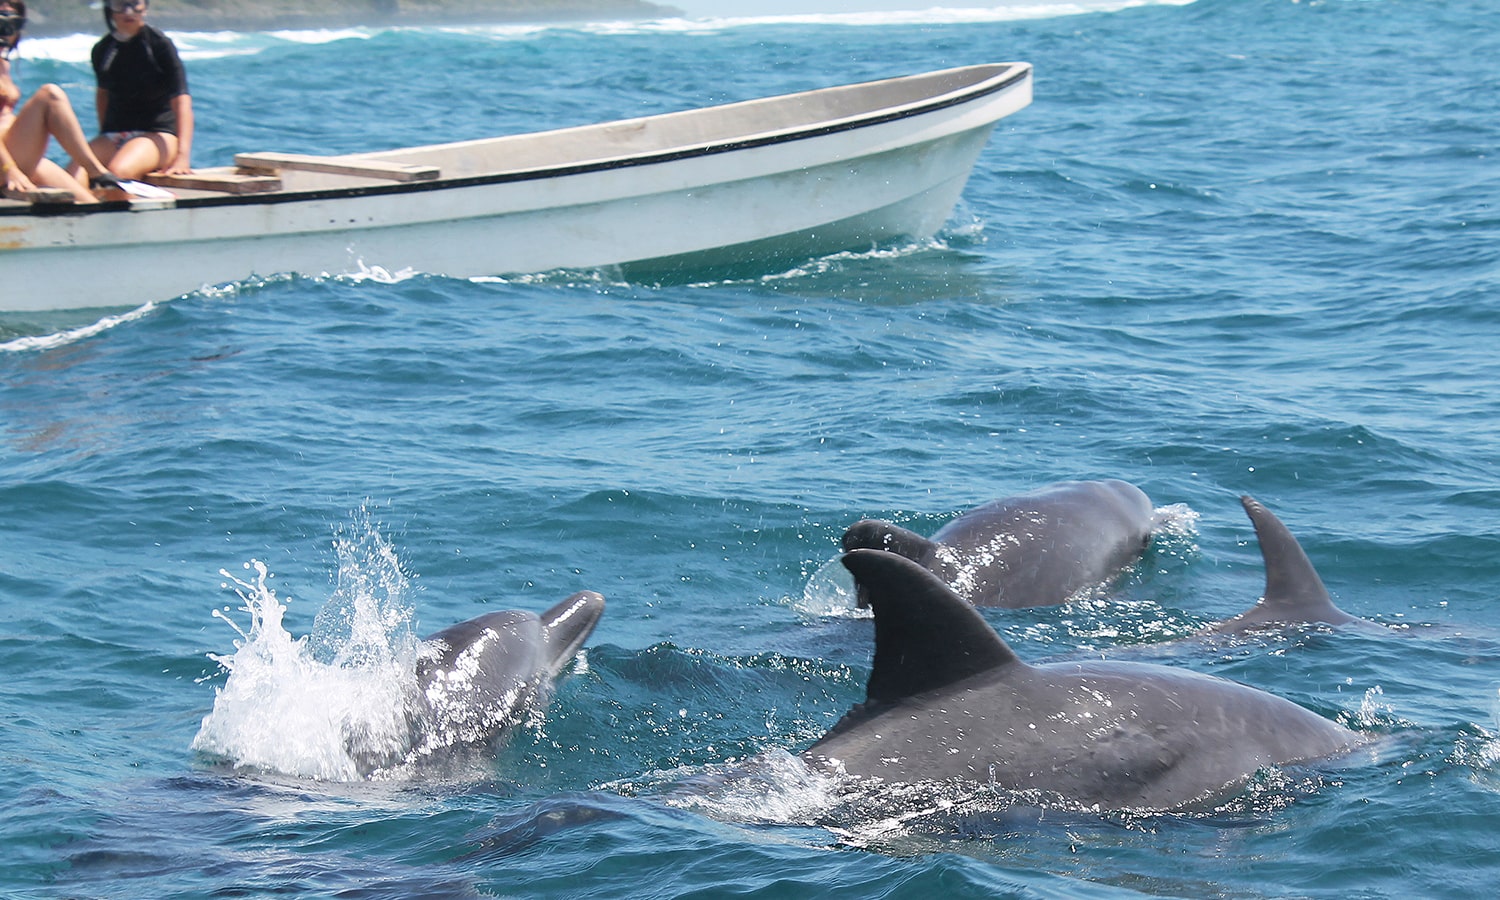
738	205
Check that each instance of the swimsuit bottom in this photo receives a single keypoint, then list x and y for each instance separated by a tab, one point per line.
120	138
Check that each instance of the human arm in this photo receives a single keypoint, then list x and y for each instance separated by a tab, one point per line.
12	179
182	164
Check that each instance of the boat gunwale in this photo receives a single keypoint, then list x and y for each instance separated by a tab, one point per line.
1002	80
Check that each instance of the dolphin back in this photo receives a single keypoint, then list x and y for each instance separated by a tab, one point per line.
1039	548
948	699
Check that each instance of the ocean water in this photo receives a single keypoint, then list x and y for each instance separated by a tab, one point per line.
1234	246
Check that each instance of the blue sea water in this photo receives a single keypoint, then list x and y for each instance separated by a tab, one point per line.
1234	246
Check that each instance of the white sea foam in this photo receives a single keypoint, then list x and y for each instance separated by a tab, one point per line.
323	35
192	45
73	48
200	45
71	335
772	787
916	15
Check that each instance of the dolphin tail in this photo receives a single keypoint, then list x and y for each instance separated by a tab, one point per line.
567	625
1294	593
926	636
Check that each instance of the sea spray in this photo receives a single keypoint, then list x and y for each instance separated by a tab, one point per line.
829	592
368	619
335	705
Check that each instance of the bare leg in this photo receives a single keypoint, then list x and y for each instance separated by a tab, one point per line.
140	155
49	174
43	172
102	147
47	113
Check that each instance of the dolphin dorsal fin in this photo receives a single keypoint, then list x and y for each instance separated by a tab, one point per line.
926	636
567	625
1294	592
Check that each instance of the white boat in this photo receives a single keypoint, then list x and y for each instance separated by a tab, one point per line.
731	187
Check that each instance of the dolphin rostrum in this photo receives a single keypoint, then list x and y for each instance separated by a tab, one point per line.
947	698
1034	549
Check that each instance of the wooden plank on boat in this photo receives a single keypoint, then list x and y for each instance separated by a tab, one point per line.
40	195
335	165
226	182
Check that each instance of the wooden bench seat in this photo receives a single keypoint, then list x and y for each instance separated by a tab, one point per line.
40	195
334	165
225	182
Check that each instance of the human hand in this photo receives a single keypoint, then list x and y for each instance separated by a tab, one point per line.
16	182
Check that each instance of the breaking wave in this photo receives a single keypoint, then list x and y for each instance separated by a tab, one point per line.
202	45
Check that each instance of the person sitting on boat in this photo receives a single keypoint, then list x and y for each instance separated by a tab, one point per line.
145	111
24	132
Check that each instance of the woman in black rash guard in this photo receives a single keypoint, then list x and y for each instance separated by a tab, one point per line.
145	111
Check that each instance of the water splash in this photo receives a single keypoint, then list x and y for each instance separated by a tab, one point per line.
368	618
1373	711
773	787
376	274
1176	521
1488	753
337	705
829	592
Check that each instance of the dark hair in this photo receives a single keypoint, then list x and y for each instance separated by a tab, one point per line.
20	8
109	15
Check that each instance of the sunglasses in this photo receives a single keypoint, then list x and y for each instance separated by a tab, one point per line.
126	5
11	25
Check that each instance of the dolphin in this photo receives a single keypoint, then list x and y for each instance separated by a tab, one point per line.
1294	593
948	699
1034	549
479	678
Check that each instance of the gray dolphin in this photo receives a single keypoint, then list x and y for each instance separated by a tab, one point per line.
1034	549
479	678
1294	593
947	698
